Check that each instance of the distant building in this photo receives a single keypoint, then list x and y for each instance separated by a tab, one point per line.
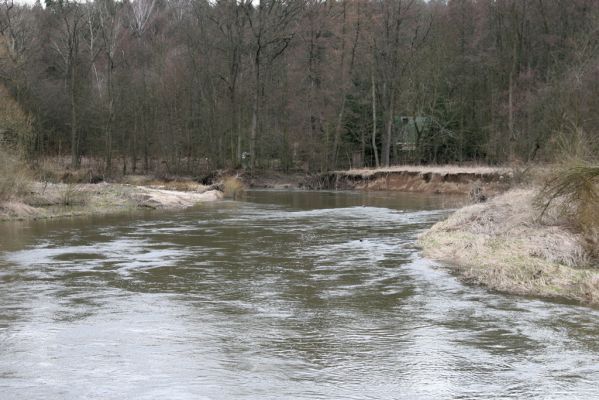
408	130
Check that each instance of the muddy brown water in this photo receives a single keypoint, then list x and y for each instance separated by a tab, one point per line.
285	295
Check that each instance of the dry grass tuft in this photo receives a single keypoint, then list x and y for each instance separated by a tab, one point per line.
233	188
73	195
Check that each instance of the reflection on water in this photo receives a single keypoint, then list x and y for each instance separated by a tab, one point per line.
285	295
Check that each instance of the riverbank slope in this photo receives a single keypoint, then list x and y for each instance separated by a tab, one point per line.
443	179
502	244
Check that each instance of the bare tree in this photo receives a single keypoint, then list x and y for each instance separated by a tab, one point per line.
17	38
270	22
231	22
111	31
141	11
345	77
70	21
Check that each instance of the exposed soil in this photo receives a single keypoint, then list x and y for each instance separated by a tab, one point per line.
441	179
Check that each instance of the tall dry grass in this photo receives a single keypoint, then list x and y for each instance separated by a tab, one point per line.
510	220
572	186
15	177
574	189
501	244
58	170
233	188
72	195
17	125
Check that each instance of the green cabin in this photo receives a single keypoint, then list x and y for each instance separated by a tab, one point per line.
408	130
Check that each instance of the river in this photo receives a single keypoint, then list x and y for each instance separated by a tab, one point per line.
285	295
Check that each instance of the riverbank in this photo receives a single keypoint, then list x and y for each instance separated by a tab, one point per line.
53	200
502	244
444	179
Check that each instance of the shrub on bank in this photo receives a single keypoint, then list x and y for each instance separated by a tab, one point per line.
574	188
15	177
233	187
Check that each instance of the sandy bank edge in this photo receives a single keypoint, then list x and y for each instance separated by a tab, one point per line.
425	169
502	246
447	179
62	200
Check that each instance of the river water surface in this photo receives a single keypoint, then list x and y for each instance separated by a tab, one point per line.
285	295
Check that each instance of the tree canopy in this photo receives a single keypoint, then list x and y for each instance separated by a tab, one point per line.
310	84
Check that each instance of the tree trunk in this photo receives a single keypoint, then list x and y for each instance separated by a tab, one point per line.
108	127
74	132
234	135
337	137
374	148
388	131
511	118
239	143
338	127
132	146
255	110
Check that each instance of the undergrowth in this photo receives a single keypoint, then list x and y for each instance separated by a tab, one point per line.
233	188
15	177
573	187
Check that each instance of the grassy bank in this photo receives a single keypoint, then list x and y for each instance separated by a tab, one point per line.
505	245
51	200
49	188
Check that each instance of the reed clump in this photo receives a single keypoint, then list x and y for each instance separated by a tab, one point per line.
233	188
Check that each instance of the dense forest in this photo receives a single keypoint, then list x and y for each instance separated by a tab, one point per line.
316	85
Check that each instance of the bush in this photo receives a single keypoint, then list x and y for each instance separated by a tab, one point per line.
574	188
233	188
15	177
